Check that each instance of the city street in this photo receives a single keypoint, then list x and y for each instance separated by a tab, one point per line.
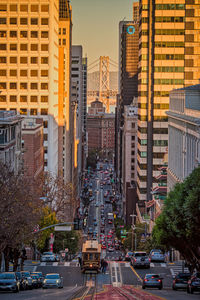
119	276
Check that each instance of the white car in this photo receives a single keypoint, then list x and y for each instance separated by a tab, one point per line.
52	280
48	257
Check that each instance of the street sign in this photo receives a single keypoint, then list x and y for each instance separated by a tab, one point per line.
63	228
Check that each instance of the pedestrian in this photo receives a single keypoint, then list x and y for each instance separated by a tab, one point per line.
105	264
102	261
80	261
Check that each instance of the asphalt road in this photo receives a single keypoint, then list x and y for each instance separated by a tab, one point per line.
117	274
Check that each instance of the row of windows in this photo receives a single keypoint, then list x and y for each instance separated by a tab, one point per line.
163	69
170	31
24	21
24	7
155	142
155	118
24	73
162	81
23	85
163	45
156	105
163	57
24	60
170	6
155	130
23	98
165	19
22	34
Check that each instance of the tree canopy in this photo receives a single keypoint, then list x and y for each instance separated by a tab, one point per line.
178	226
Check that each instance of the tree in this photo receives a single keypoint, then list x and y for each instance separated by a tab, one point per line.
63	240
48	218
92	159
179	224
20	211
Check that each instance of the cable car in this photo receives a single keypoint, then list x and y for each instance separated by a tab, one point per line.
91	257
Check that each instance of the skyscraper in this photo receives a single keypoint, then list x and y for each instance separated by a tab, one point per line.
168	59
29	66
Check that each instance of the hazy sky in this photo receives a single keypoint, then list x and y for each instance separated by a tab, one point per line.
95	26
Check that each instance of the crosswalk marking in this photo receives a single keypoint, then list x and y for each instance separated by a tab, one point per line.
163	265
55	264
43	264
127	265
178	268
67	264
152	265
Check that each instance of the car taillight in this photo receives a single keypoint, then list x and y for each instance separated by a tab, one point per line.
149	259
159	280
146	280
90	265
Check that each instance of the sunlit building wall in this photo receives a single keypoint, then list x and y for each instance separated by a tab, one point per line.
65	129
29	66
169	44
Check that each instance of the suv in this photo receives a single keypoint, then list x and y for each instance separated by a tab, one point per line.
180	281
194	283
140	259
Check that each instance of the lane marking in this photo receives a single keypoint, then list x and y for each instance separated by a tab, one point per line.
34	269
152	265
138	276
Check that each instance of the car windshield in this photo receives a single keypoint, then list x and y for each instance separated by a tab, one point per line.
152	276
140	254
37	274
7	276
47	253
156	253
52	276
27	274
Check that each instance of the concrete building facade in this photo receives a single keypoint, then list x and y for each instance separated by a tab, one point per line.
33	149
168	59
184	133
11	140
29	66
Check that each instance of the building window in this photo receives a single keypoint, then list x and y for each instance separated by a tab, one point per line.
45	137
34	21
59	30
34	98
23	60
44	8
34	34
34	47
3	7
34	73
44	60
13	98
2	20
34	60
23	85
132	152
2	98
44	47
34	8
44	34
133	145
2	85
23	73
13	85
45	124
133	138
34	85
23	21
23	98
23	7
44	73
44	86
13	73
59	42
3	72
3	47
3	33
13	7
13	21
24	47
33	112
23	34
3	59
13	47
133	125
64	42
13	59
44	111
44	99
44	21
23	111
13	34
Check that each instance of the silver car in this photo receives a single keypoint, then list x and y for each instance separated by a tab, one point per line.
48	257
140	259
52	280
157	257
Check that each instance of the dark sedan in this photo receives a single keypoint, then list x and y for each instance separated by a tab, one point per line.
194	283
153	281
180	281
9	282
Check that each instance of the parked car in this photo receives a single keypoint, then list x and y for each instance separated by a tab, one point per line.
180	281
152	280
140	259
9	282
155	250
194	283
157	257
52	280
128	256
